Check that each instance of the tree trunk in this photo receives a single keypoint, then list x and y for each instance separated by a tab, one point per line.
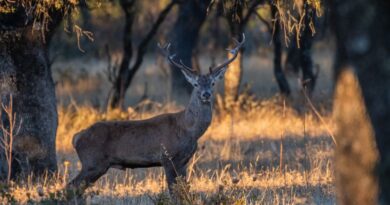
278	71
233	75
362	29
184	36
355	151
308	77
26	75
118	95
126	74
299	53
237	17
85	14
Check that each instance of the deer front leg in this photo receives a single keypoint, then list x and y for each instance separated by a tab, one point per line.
172	172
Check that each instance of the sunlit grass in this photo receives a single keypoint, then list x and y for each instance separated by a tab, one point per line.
264	152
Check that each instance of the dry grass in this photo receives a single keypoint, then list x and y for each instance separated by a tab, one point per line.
262	153
238	161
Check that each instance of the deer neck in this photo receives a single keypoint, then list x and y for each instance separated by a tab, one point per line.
197	116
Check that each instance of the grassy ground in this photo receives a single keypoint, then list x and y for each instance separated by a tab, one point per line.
265	154
266	151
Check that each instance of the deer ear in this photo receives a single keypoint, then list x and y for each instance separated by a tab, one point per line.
190	76
218	74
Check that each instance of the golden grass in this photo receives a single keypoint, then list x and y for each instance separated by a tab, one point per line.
266	153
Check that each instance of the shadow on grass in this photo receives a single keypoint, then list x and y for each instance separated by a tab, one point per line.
296	153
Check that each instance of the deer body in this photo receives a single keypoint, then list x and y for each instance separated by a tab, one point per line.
141	144
168	140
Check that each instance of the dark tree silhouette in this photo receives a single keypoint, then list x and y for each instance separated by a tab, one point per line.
276	40
183	38
126	72
299	52
363	48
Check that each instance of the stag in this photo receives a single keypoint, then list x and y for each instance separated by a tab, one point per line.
168	140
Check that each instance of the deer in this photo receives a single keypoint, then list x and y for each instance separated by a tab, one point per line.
168	140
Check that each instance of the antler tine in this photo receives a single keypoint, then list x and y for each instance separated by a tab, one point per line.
188	68
233	51
170	57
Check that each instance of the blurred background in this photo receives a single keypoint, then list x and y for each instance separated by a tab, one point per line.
87	69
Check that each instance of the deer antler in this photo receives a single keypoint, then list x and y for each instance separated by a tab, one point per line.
170	57
233	51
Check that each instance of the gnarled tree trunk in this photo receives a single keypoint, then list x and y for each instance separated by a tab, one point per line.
25	76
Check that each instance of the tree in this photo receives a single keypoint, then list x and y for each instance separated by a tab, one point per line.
25	74
183	38
237	17
299	52
299	38
363	48
126	73
276	40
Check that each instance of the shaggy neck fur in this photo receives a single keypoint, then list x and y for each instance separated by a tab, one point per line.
197	116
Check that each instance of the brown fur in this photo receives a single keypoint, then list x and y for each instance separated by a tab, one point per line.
167	140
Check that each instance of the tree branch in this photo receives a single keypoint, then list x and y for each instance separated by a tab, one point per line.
263	20
144	43
251	10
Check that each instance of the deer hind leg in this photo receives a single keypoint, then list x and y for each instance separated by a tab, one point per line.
85	178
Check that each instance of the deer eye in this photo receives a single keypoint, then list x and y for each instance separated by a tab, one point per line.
196	84
212	84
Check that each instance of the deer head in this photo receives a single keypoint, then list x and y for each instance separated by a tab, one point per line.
203	83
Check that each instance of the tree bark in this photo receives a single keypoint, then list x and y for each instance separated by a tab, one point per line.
362	29
26	76
184	36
